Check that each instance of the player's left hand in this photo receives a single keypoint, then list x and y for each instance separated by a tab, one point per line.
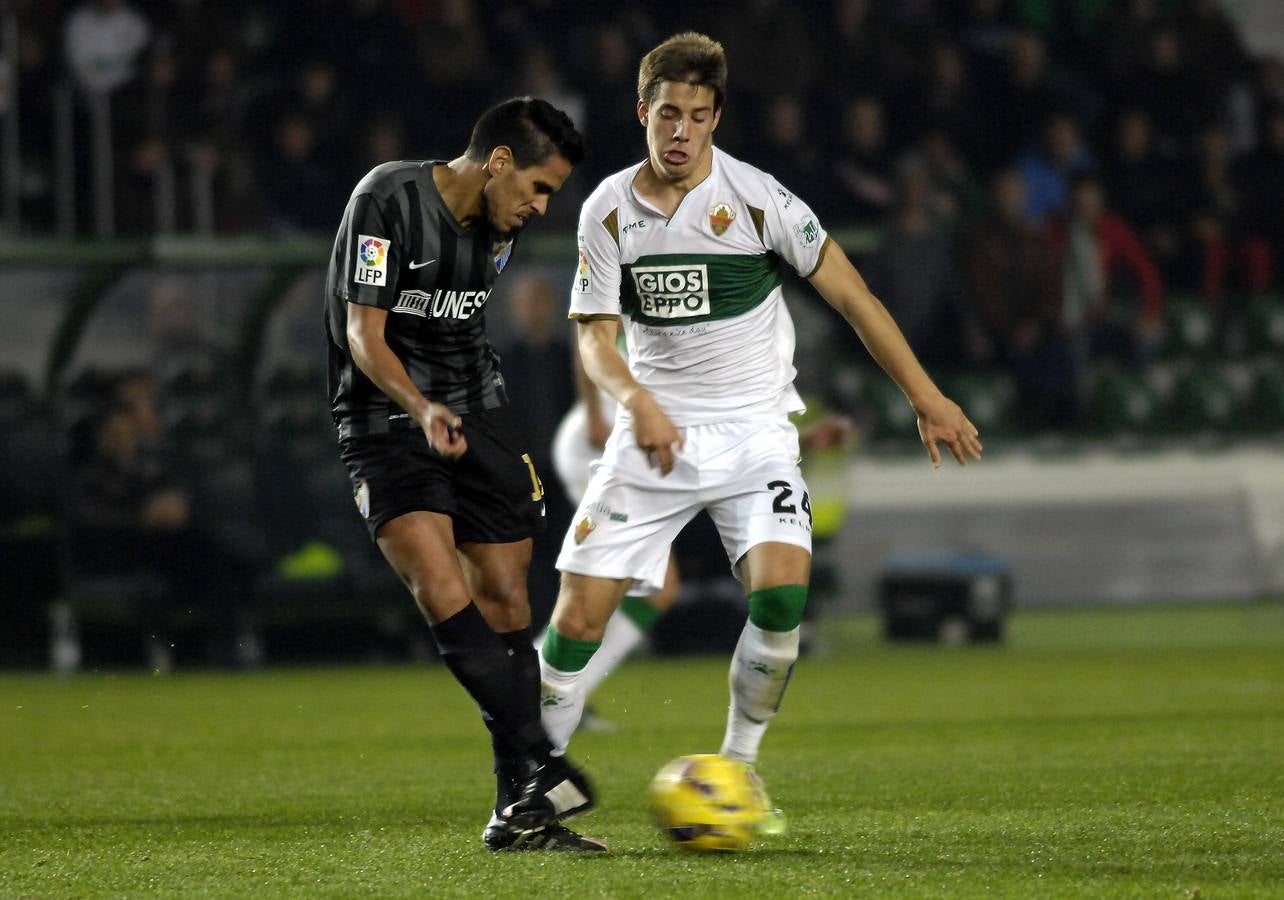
940	419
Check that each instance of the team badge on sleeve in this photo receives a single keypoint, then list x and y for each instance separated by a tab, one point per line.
584	274
807	231
500	253
720	218
372	260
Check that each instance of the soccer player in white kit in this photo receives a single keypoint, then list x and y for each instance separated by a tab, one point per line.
682	251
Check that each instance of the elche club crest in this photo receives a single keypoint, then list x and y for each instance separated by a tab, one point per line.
721	215
584	528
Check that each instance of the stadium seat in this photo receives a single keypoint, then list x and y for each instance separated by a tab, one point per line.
1265	411
890	413
987	399
1204	400
1265	326
1121	403
1189	330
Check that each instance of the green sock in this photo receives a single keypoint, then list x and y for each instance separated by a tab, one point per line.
567	654
778	608
641	611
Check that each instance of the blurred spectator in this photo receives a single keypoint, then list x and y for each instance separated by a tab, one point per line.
1048	168
948	103
950	186
298	179
1213	50
384	141
454	55
913	271
786	149
1179	99
1260	179
1021	101
1124	39
1147	189
864	163
1094	252
127	514
1223	249
1012	303
611	127
104	39
853	45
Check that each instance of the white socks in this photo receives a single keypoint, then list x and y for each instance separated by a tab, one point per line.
564	693
760	671
621	638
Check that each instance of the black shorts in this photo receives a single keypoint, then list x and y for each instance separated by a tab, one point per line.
491	492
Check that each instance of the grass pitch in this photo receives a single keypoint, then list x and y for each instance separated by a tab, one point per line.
1097	753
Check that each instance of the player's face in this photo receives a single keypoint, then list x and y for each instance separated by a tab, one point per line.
513	195
679	130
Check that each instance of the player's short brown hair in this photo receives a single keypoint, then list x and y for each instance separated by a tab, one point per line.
689	58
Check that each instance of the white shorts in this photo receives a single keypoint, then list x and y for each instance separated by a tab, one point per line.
573	453
744	473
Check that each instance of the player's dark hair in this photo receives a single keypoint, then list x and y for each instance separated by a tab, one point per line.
533	129
690	58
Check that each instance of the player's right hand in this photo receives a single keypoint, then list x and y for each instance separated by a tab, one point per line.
655	434
442	429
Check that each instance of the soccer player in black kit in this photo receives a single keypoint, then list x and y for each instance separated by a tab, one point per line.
439	472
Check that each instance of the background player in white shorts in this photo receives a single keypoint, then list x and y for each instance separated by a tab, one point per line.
683	251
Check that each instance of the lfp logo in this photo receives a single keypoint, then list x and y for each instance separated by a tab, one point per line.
372	256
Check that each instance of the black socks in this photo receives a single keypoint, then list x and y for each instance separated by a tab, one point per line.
501	676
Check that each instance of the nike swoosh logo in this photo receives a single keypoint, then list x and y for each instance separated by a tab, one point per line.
415	265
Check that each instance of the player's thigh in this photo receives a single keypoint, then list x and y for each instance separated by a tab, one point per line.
500	495
420	548
496	575
395	473
767	507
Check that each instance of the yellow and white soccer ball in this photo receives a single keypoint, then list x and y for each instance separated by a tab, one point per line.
707	802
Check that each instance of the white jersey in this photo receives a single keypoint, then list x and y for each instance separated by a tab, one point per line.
700	294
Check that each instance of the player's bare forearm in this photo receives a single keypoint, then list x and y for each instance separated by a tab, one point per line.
602	362
598	426
844	289
371	353
939	418
608	370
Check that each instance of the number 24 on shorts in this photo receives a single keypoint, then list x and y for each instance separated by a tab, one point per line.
780	504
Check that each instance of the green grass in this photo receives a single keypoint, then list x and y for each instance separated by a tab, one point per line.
1097	753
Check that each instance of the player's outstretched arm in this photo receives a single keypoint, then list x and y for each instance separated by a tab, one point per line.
375	358
939	417
608	370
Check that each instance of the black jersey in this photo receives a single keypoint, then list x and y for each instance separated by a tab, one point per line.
400	248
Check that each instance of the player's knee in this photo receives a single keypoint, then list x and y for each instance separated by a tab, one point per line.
437	598
580	624
778	608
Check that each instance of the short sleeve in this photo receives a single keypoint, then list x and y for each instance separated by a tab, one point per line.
792	230
595	290
371	259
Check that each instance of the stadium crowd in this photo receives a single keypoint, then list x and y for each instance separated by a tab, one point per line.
1043	174
1034	188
